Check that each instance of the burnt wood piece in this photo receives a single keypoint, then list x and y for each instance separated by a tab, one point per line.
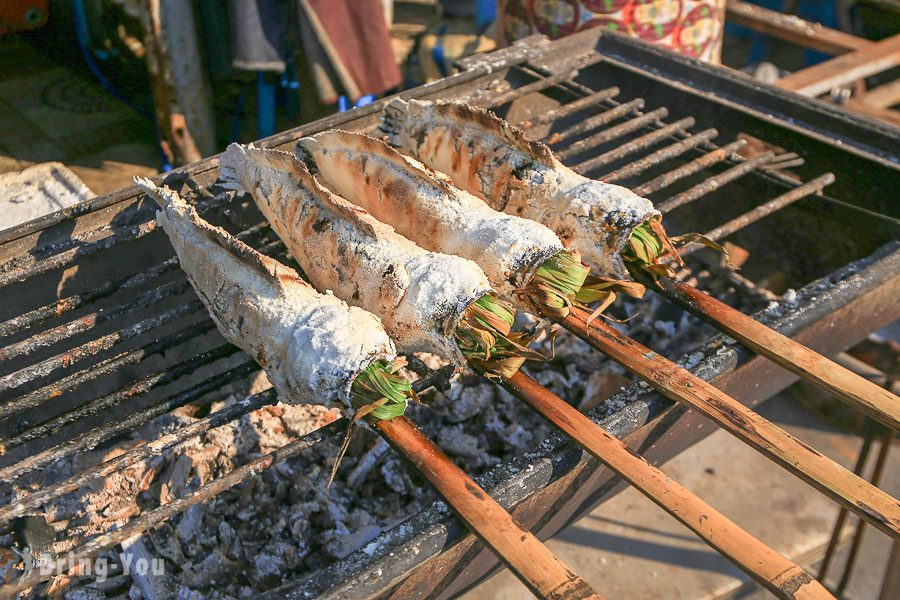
865	396
538	568
821	78
679	384
776	573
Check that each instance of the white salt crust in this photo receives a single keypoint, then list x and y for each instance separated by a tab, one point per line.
311	345
419	295
490	158
427	209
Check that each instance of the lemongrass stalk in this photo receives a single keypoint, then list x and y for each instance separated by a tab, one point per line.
651	250
485	337
379	393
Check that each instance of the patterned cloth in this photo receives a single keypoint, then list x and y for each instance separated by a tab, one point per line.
690	27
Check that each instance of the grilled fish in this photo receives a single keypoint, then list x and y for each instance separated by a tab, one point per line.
426	208
490	158
419	295
311	345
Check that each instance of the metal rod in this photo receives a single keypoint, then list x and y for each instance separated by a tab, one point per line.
600	120
686	170
35	266
640	143
99	405
779	575
863	395
677	149
54	335
567	71
763	210
858	535
714	183
70	357
98	435
613	133
538	568
150	519
75	301
680	385
570	108
841	520
107	367
23	506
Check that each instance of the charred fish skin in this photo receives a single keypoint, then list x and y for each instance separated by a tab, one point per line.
494	160
420	295
426	208
311	345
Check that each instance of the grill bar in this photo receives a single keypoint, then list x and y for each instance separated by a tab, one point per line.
592	123
672	151
99	405
813	186
571	108
70	357
776	573
695	166
106	431
154	517
611	134
680	385
93	475
71	303
545	82
107	367
714	183
635	145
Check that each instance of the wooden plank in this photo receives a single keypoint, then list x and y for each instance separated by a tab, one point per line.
794	29
821	78
883	96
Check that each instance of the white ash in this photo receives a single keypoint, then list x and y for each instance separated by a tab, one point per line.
283	525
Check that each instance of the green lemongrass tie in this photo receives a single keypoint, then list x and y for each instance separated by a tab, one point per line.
652	251
484	335
377	394
563	281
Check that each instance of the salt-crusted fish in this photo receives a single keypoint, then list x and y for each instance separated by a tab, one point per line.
421	296
426	208
490	158
312	346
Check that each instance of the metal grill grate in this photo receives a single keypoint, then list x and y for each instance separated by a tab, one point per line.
138	343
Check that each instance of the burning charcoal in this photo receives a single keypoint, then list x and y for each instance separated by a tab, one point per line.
186	593
226	533
85	593
166	544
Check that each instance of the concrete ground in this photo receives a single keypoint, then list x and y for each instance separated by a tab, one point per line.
630	548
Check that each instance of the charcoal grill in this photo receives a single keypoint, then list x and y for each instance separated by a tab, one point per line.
101	333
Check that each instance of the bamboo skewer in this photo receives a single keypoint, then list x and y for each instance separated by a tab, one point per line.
534	564
779	575
678	384
865	396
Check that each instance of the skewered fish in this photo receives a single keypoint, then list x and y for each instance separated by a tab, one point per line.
426	208
421	296
312	346
490	158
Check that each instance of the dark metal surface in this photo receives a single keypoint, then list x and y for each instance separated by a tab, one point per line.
94	312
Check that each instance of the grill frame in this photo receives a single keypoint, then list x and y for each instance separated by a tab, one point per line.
553	485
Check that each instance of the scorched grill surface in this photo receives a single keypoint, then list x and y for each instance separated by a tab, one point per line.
100	330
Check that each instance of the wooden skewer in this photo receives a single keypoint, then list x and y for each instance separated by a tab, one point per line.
676	383
779	575
532	562
865	396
